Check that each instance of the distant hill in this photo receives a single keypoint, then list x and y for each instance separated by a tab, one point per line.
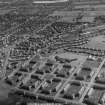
49	1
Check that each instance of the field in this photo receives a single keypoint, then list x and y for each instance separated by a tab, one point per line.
97	42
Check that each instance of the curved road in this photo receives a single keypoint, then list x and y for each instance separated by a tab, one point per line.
48	1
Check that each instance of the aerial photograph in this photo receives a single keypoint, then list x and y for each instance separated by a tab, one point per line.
52	52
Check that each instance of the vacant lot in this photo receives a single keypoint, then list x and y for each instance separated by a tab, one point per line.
97	42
